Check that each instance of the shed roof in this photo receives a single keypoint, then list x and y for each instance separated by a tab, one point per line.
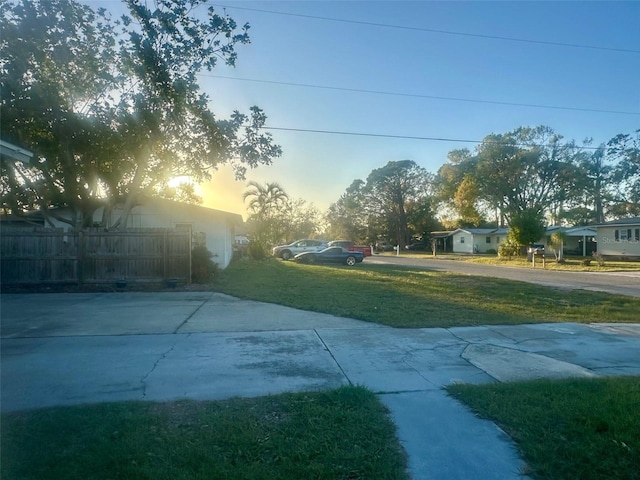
475	231
442	234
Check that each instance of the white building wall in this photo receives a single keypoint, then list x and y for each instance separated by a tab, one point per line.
481	242
218	233
621	244
462	242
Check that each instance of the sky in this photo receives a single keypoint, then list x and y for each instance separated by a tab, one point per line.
415	51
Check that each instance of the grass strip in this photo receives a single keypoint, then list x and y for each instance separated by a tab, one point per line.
340	434
409	297
567	429
570	264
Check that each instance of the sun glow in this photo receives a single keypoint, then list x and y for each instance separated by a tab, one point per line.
177	181
222	192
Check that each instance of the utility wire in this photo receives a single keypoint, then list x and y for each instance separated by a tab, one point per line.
415	95
431	30
405	137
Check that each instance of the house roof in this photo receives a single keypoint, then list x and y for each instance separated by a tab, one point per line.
14	152
475	231
620	222
580	231
232	218
442	234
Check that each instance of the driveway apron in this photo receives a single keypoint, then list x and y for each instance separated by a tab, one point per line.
64	349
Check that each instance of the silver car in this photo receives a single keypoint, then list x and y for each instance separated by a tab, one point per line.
286	252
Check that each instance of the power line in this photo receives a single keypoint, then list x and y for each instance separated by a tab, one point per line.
403	137
431	30
415	95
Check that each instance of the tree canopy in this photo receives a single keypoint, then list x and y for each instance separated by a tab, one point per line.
393	203
534	169
274	217
625	149
112	108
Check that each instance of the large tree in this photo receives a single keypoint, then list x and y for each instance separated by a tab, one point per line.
594	187
624	149
347	218
524	170
391	190
457	191
112	108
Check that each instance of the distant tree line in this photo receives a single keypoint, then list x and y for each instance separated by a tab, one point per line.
523	179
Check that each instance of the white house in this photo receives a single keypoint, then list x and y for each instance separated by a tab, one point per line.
474	240
579	240
619	238
213	228
500	236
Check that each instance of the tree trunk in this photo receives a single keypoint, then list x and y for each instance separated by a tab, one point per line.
134	188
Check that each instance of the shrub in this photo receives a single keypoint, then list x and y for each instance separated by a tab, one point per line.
586	262
598	258
492	251
258	250
203	268
508	250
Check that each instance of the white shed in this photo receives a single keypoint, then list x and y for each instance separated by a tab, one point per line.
474	240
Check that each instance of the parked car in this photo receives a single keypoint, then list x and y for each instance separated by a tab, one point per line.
286	252
331	255
348	245
384	247
417	246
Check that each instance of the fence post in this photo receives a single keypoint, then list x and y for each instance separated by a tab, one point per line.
81	248
165	250
189	248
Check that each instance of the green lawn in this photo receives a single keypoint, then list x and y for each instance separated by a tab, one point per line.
340	434
587	429
572	264
410	297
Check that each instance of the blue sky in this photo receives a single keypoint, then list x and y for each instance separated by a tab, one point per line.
294	49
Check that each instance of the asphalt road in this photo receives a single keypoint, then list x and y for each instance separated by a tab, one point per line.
620	283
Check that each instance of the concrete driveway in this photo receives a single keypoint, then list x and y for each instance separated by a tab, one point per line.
62	349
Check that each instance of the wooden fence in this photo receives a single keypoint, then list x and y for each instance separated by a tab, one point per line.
45	256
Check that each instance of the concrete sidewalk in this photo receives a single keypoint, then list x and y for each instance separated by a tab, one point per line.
61	349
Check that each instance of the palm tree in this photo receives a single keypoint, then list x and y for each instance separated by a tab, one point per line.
557	242
266	206
264	200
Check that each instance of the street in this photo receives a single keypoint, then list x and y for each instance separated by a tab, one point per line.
620	283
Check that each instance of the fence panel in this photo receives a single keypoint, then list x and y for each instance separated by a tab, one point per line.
92	256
